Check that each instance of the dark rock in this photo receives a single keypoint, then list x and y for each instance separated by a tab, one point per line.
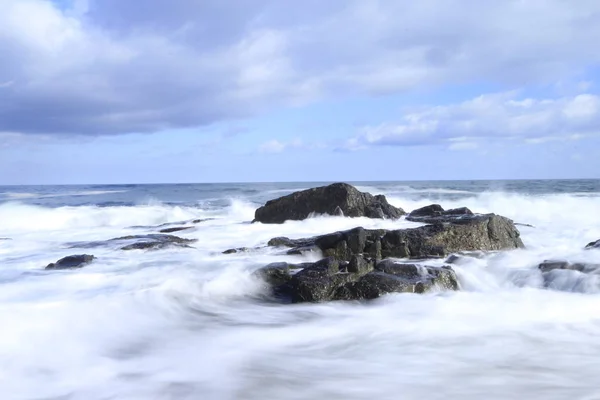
593	245
484	232
198	221
175	229
522	224
71	262
335	199
359	279
152	241
551	265
238	250
464	256
435	213
275	274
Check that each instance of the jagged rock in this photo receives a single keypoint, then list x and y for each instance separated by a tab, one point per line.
484	232
152	241
335	199
175	229
71	262
360	279
435	213
593	245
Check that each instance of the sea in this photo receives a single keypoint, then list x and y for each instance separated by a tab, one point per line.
194	323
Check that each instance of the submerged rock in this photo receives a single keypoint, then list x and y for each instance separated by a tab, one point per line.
359	279
236	250
435	213
175	229
71	262
152	241
551	265
593	245
484	232
335	199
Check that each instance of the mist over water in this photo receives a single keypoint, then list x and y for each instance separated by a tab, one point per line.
194	324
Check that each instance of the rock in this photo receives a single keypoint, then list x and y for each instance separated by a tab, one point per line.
551	265
435	213
275	274
463	256
593	245
175	229
485	232
361	279
152	241
238	250
71	262
335	199
522	224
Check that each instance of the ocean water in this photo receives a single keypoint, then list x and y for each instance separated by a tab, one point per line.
193	323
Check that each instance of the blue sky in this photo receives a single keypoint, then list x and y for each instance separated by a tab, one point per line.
265	90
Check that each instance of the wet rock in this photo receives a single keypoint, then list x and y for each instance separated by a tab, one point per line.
237	250
152	241
522	224
485	232
435	213
593	245
551	265
275	274
175	229
335	199
360	279
464	256
71	262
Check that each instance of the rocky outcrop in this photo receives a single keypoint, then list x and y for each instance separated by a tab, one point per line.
484	232
71	262
358	279
153	241
435	213
335	199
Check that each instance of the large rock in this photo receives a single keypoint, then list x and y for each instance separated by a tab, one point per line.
335	199
435	213
485	232
359	279
71	262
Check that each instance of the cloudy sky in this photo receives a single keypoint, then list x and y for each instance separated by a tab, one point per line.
114	91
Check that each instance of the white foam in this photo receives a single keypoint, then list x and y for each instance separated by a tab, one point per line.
186	323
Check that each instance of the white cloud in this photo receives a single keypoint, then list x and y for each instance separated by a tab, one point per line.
489	117
276	146
104	67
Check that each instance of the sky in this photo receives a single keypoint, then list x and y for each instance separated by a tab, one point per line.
160	91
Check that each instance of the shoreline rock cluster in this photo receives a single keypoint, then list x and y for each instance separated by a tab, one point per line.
359	263
363	264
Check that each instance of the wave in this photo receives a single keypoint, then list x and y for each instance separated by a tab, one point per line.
18	217
29	195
